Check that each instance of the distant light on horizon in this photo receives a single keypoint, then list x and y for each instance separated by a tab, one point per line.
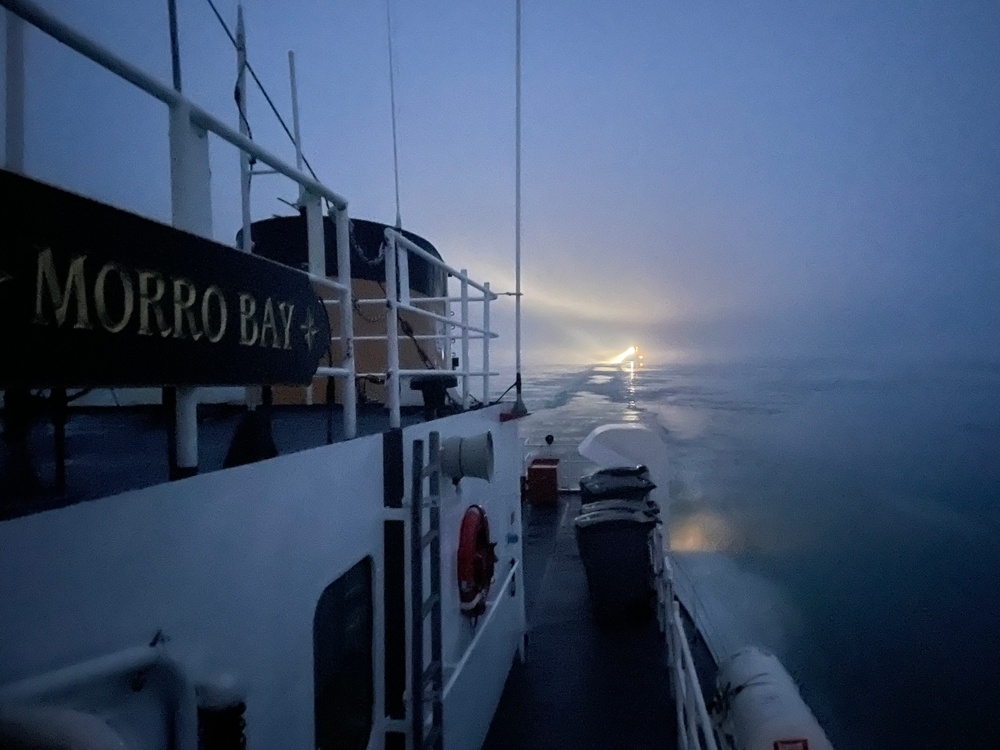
623	356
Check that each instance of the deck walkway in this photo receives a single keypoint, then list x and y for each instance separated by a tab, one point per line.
581	686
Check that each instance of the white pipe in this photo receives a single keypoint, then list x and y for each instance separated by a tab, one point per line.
350	398
295	110
465	339
486	347
431	300
191	208
680	696
700	712
187	430
315	234
58	30
329	283
109	665
392	383
253	394
315	247
14	154
434	316
56	681
448	326
315	241
442	373
403	271
415	249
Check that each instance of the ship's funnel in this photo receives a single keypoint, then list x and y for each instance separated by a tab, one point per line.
468	456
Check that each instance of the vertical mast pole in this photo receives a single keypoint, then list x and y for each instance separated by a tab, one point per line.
295	110
519	407
392	104
241	93
175	46
254	394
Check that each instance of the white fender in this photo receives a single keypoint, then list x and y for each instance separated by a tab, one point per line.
761	708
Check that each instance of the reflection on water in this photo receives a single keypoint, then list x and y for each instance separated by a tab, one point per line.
845	516
702	531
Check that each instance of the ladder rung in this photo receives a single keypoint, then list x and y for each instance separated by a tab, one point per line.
429	537
429	604
432	671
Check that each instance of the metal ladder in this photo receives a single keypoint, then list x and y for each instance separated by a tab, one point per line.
426	679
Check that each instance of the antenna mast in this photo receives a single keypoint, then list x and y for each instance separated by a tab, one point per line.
519	407
392	102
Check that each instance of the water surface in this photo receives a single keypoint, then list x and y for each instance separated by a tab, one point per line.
845	516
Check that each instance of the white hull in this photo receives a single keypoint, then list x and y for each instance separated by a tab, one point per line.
229	567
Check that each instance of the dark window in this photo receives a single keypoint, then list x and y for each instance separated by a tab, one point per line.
342	661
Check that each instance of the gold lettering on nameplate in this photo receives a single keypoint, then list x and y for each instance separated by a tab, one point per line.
213	292
75	289
139	301
287	310
248	324
100	297
185	296
269	325
151	301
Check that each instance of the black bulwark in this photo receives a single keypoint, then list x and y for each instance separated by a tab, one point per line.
285	239
91	295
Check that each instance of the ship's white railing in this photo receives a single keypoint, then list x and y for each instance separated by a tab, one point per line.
191	208
191	200
398	299
694	727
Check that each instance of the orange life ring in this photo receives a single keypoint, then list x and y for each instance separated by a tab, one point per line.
476	560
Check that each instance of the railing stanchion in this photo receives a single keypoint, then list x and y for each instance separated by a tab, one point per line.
486	344
465	338
350	396
191	206
392	384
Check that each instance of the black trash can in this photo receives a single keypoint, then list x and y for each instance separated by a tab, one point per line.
614	546
618	483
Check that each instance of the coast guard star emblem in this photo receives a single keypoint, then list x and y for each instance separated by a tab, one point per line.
309	329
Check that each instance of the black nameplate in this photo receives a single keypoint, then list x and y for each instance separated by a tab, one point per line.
91	295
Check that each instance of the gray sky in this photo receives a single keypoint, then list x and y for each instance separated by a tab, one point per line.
705	179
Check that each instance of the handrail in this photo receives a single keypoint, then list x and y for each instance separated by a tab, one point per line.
446	319
414	248
184	111
194	183
398	300
481	628
427	300
58	30
694	726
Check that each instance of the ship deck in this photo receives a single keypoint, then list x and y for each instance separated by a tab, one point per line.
582	685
